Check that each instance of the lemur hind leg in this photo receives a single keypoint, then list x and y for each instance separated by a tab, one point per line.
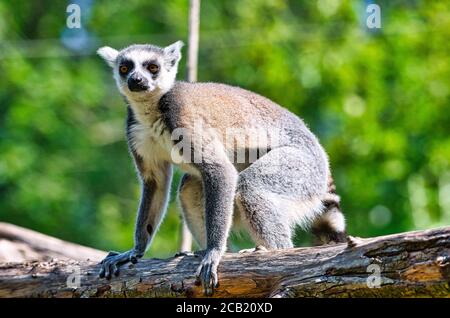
191	199
278	191
190	195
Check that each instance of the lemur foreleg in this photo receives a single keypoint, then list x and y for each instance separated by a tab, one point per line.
219	182
154	196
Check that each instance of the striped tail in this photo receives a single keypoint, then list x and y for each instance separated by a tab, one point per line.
329	227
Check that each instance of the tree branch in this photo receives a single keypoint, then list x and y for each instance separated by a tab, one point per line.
411	264
18	244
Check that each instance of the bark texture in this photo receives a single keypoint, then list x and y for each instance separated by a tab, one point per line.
18	244
413	264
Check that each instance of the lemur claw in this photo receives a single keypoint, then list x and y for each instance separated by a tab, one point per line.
207	271
110	265
133	259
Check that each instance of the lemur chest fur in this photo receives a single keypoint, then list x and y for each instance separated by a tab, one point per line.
152	141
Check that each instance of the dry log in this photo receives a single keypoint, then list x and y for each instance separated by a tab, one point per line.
414	264
18	244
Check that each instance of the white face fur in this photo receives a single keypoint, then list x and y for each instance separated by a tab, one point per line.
143	71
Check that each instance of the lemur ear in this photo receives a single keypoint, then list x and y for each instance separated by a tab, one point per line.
108	54
173	53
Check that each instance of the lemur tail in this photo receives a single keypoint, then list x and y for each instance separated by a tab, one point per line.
330	225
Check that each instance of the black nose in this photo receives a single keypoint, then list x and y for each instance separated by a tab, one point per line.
137	83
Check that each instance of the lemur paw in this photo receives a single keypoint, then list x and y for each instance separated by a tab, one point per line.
207	271
112	262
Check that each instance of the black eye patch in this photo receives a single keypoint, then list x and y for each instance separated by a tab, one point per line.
150	66
125	67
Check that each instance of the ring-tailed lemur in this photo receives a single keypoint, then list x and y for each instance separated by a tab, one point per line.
287	184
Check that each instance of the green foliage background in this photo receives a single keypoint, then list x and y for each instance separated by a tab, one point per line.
378	100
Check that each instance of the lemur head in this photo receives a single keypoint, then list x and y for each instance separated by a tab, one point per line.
143	70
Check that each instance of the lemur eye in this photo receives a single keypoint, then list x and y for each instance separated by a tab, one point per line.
123	69
153	68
